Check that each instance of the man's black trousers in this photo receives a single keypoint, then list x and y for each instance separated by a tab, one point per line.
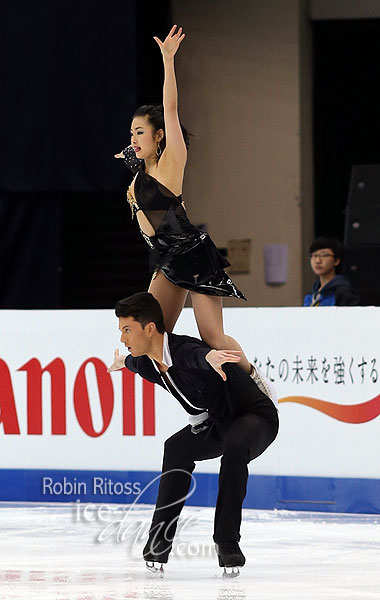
243	440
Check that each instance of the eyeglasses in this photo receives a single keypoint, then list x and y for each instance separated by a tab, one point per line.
323	255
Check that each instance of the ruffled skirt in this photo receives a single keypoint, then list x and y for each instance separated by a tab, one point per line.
193	262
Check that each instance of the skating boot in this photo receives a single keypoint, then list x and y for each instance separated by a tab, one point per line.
264	384
156	555
230	557
155	567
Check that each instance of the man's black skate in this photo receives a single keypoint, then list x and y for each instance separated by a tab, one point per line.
155	567
230	557
156	555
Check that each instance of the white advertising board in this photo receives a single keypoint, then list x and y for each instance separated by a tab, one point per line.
59	409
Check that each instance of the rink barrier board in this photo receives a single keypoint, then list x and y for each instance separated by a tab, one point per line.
318	494
62	413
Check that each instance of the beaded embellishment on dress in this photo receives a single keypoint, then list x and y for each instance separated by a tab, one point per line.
147	239
134	208
132	202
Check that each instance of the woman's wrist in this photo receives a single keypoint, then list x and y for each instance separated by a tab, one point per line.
168	59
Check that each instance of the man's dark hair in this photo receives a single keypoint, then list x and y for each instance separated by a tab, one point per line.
326	241
143	308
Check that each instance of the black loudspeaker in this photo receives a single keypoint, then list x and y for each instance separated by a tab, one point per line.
362	233
362	223
362	267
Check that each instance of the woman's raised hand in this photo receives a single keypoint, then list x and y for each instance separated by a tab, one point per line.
171	43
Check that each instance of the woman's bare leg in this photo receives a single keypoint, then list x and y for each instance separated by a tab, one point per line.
209	318
171	298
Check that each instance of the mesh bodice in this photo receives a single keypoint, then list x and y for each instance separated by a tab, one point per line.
154	199
164	210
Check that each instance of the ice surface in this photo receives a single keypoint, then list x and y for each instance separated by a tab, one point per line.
69	552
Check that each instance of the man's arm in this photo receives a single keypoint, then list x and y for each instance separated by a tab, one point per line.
192	356
189	355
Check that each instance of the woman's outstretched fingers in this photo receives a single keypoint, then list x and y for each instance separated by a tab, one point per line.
222	374
171	43
217	358
232	355
158	41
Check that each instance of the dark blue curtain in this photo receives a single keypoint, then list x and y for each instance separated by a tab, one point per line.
68	73
30	250
72	73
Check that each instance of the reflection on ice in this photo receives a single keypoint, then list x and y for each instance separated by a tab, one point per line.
48	553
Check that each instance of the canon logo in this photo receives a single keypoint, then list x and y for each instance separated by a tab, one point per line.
56	369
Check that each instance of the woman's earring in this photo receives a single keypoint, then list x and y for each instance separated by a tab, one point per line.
158	151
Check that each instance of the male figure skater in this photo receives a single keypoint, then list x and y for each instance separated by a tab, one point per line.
229	414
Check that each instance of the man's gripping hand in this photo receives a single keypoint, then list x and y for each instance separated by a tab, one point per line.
216	358
118	362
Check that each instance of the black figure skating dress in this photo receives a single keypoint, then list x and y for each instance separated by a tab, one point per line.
186	255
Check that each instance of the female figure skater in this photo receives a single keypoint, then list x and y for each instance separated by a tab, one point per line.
184	259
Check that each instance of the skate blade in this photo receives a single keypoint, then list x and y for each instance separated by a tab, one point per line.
230	572
156	568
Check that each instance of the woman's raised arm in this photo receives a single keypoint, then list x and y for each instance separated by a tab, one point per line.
175	149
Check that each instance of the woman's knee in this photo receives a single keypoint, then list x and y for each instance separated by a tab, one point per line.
216	338
213	338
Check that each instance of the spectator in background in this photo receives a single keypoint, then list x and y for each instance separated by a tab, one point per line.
330	289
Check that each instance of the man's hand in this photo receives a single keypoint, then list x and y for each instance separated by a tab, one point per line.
118	362
216	358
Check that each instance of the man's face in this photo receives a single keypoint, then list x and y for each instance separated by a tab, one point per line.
135	337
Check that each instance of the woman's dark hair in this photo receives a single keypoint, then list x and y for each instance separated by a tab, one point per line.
155	114
143	308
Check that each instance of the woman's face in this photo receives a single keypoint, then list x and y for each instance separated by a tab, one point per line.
144	140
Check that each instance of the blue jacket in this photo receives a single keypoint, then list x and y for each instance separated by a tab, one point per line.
337	292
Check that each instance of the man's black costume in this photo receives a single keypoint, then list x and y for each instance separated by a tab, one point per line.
236	421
